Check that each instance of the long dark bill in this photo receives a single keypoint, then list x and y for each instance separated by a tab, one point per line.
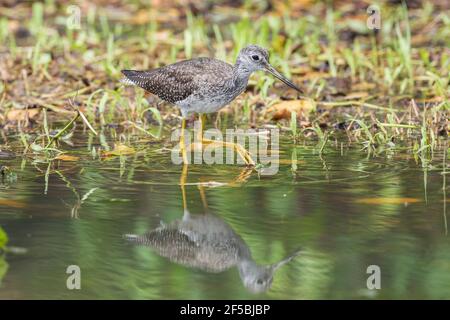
282	78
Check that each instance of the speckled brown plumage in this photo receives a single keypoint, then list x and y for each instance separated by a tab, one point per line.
175	82
203	85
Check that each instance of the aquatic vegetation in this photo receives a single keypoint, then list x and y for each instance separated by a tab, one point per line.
3	239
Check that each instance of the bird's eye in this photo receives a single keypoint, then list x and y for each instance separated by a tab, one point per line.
255	57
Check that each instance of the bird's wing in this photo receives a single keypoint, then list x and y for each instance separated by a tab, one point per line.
178	247
174	82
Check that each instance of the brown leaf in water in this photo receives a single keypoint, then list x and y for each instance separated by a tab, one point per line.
287	161
284	109
12	203
66	157
385	200
22	114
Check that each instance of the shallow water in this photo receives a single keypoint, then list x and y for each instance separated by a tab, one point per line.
344	210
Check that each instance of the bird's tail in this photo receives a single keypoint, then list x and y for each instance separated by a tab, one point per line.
133	77
142	240
131	237
126	81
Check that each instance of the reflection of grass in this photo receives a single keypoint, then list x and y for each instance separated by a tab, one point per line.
444	190
3	263
3	268
3	239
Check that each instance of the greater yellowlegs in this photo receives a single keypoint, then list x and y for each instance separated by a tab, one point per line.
205	85
207	242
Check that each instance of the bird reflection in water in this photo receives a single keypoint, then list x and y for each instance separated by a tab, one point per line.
207	242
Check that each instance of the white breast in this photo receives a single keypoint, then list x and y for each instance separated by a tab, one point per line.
210	105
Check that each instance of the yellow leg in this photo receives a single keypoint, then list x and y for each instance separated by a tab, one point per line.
244	154
197	144
182	183
202	119
203	196
244	175
183	142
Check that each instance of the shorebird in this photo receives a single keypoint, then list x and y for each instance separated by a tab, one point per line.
205	85
206	242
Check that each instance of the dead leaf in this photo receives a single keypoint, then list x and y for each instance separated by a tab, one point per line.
281	7
284	109
15	115
312	76
363	86
436	99
356	95
140	18
12	203
119	150
384	200
287	161
301	70
66	157
338	85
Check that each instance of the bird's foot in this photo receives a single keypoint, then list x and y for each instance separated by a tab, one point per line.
241	151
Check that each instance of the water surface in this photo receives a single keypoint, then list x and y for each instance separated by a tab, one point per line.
344	210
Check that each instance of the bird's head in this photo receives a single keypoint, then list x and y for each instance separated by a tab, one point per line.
258	278
254	58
